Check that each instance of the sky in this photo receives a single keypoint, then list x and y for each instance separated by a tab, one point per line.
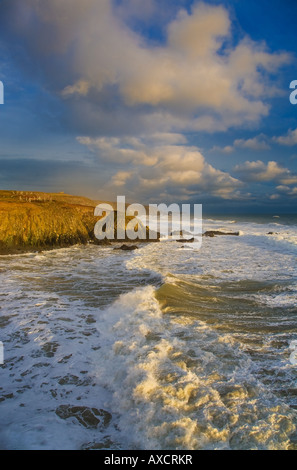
162	101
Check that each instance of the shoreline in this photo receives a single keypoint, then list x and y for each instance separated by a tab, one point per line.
116	244
34	222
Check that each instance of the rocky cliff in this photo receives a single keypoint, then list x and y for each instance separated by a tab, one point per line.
35	221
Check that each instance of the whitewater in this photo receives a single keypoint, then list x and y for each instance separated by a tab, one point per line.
171	346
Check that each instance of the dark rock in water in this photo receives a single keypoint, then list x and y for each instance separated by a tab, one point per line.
49	349
213	233
70	379
89	417
208	234
128	247
106	443
185	240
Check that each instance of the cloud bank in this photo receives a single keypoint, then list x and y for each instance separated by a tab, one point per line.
196	79
260	171
115	84
150	168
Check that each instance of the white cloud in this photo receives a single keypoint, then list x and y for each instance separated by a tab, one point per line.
114	81
259	142
81	87
150	168
286	190
290	139
227	149
188	78
261	172
255	143
120	178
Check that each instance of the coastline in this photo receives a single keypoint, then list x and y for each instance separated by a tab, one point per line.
199	330
34	222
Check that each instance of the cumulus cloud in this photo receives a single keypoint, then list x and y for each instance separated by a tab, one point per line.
86	47
255	143
259	171
287	190
290	139
259	142
150	167
227	149
114	84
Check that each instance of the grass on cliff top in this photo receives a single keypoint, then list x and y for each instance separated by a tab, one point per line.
37	220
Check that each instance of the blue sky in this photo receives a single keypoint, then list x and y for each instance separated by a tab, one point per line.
160	101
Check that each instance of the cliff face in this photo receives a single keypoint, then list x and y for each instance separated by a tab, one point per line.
35	221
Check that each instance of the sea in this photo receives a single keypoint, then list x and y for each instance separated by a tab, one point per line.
172	346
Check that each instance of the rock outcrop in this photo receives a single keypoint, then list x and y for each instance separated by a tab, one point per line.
127	247
213	233
40	221
90	418
187	240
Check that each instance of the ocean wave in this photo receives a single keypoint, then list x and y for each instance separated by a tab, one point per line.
160	348
193	387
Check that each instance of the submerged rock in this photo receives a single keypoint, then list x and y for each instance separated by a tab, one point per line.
187	240
208	234
88	417
213	233
127	247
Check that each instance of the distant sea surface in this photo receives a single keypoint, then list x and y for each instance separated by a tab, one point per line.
284	219
171	346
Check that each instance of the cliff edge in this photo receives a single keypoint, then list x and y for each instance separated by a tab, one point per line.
37	221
